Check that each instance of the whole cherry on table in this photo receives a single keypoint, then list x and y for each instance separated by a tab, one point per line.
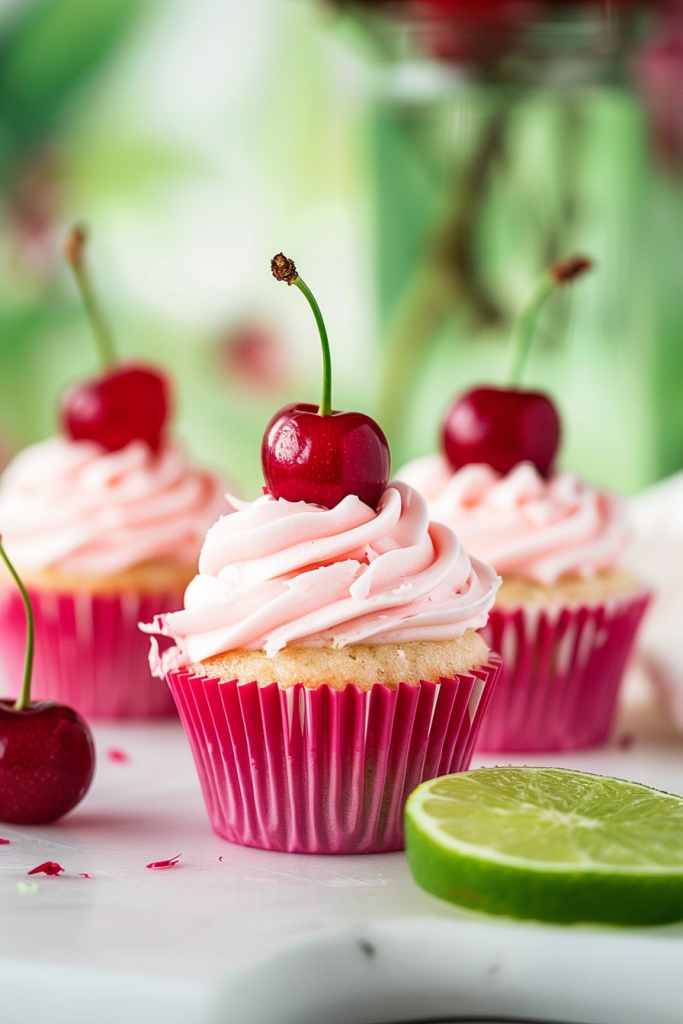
314	453
505	426
47	754
128	401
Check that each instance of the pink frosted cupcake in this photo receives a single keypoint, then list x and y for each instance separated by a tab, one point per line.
326	662
327	659
566	614
105	526
102	540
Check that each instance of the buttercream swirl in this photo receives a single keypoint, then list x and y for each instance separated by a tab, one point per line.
71	506
277	572
523	525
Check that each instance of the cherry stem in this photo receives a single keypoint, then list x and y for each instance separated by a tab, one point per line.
74	251
525	325
326	400
23	701
284	269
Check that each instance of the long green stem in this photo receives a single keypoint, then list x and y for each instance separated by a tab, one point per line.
326	400
74	252
525	326
284	269
23	701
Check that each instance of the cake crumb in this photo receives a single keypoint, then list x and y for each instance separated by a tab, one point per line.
358	665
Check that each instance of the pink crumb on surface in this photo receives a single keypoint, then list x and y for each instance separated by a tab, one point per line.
84	874
4	842
119	756
48	867
160	865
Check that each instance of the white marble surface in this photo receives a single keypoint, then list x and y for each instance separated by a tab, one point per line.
224	910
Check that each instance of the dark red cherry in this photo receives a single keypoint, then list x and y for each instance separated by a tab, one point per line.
505	426
47	761
312	453
47	755
501	427
126	403
321	459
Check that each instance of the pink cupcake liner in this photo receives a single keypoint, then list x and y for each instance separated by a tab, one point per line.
323	770
558	685
89	651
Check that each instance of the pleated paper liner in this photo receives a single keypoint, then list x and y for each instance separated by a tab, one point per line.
561	671
324	770
89	651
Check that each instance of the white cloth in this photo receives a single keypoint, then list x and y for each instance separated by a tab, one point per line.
655	556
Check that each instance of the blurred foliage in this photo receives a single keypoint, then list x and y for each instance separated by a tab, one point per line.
167	133
200	138
50	51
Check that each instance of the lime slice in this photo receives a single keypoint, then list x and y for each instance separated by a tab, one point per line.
549	844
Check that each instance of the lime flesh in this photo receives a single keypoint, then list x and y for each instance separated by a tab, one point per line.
550	844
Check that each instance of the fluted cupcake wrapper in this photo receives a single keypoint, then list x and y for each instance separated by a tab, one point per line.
89	651
323	770
560	677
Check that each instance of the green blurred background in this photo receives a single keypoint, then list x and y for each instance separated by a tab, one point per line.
419	162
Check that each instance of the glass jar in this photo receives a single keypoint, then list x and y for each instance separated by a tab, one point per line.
505	136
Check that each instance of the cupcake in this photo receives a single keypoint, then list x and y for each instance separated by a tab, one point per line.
327	658
567	612
102	539
105	525
327	662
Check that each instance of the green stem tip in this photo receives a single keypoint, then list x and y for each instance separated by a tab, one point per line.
23	701
74	252
557	274
284	269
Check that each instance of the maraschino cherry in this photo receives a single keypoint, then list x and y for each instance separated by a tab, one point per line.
47	755
505	426
127	402
314	453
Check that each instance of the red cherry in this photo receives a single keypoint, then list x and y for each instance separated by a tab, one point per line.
312	453
47	755
321	459
502	426
47	762
127	403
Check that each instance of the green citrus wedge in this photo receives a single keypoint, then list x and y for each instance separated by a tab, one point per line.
550	844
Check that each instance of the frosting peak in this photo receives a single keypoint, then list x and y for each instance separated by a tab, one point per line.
522	524
279	572
72	506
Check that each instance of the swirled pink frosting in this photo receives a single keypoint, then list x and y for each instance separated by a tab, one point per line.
279	572
71	506
522	524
